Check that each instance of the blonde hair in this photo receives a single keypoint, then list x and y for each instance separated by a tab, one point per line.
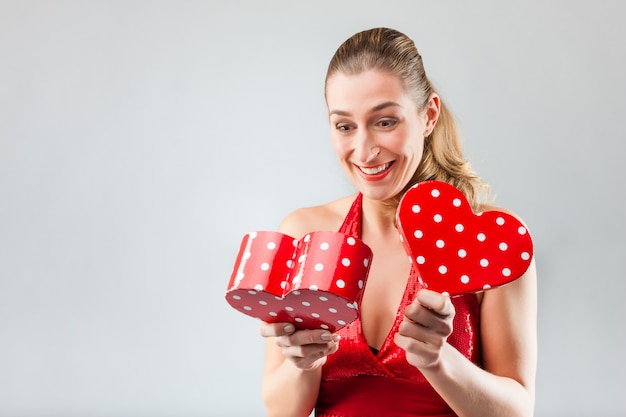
391	51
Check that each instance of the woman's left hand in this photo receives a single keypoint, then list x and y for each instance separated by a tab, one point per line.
425	329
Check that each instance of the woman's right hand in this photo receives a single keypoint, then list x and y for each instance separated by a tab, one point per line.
306	349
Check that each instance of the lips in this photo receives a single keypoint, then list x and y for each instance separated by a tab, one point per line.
376	172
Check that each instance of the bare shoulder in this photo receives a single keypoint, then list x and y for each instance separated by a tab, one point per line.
327	216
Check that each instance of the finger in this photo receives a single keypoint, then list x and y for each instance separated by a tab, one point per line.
412	330
434	336
427	319
408	344
436	302
307	337
418	312
307	356
276	329
315	351
420	355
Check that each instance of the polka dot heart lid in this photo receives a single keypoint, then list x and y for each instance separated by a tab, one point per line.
315	283
455	250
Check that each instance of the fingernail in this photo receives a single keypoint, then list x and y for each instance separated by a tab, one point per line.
289	328
326	336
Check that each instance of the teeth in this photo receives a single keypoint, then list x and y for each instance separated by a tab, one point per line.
376	170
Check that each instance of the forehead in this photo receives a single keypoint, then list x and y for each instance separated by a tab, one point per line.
366	89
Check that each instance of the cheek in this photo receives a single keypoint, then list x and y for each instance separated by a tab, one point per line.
418	152
407	143
419	148
340	146
412	150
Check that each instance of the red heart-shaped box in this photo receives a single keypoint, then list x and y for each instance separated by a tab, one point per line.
316	282
456	251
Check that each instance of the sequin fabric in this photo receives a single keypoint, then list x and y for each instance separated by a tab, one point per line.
355	382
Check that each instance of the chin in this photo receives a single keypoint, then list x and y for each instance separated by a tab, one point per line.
379	195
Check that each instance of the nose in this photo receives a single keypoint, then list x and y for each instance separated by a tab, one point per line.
365	149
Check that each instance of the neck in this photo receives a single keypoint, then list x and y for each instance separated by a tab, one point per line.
379	216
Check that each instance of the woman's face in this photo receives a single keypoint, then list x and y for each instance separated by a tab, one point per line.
376	131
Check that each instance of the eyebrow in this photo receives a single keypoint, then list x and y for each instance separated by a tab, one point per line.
378	107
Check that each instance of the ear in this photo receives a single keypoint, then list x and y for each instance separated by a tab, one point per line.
432	111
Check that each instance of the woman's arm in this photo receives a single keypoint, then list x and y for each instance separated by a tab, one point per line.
294	359
293	368
508	333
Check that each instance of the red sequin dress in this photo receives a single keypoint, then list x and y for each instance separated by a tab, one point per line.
358	383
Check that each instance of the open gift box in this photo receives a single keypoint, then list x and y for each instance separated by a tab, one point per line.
316	282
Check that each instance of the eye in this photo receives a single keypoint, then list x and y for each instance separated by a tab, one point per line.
387	123
343	127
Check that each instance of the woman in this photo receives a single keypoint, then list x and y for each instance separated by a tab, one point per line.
412	352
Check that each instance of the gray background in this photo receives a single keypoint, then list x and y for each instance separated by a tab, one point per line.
139	141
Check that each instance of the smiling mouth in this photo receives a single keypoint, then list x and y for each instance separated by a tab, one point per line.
376	169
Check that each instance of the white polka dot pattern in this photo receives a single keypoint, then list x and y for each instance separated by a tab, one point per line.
456	251
316	282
